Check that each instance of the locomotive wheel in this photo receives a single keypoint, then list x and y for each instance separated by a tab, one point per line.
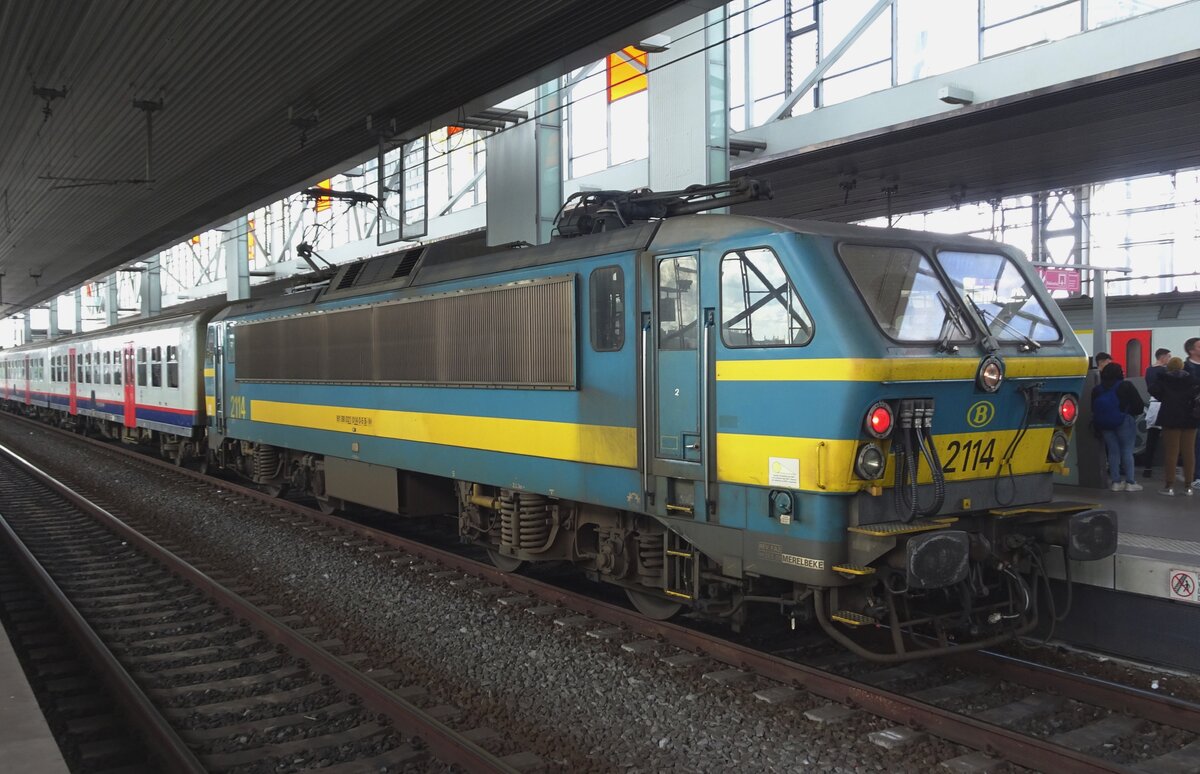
652	606
504	563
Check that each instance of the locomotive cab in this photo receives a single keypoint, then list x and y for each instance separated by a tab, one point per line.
896	405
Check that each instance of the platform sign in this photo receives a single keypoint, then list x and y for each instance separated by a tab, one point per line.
1182	585
1061	279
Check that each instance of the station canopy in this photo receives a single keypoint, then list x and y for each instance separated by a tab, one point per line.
244	100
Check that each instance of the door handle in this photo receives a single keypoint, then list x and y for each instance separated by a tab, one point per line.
693	446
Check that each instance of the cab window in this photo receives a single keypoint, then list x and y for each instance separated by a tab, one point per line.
678	303
608	308
759	304
993	285
906	297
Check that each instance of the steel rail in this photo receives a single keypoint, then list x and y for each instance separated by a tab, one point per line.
446	744
1156	707
164	744
1031	752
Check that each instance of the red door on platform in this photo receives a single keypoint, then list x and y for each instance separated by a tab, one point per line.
72	382
130	387
1131	349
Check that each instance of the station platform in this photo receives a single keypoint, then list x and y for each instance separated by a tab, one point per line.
1158	550
26	744
1144	601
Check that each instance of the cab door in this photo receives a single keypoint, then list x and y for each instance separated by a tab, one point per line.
677	334
675	326
130	385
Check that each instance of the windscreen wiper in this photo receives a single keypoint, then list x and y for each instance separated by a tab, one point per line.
952	320
1027	343
989	341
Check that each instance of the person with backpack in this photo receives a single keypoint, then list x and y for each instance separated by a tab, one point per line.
1178	389
1115	404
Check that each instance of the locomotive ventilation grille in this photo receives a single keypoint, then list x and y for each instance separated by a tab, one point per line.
509	336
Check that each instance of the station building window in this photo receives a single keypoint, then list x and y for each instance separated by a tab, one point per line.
759	304
606	121
775	45
608	308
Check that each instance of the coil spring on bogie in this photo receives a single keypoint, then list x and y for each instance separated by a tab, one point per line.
266	462
650	550
524	520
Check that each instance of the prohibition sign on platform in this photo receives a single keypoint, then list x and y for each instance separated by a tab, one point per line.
1183	585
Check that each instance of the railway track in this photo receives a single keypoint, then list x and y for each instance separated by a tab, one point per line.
211	681
1114	711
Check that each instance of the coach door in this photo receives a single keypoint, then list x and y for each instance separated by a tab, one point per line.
130	382
676	336
72	384
28	389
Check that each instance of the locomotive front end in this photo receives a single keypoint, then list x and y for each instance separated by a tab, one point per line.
954	417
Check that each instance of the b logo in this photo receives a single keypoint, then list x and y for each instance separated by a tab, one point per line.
980	413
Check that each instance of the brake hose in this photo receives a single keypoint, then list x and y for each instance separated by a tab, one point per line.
905	491
929	451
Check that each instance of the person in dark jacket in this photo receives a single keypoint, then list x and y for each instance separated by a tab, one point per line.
1161	356
1115	404
1177	390
1191	364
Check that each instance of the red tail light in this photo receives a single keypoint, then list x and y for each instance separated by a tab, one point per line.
1068	410
879	420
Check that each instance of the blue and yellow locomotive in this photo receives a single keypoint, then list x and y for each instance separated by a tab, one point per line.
855	425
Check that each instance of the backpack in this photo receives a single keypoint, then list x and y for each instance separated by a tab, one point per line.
1106	409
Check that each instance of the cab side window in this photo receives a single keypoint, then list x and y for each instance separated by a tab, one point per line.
759	303
608	308
678	303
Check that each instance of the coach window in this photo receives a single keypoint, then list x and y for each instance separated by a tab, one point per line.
759	304
608	309
156	367
118	367
141	364
678	303
108	368
172	366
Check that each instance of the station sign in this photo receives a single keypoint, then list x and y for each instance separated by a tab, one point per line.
1182	585
1061	279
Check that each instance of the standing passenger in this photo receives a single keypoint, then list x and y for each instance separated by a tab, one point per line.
1115	403
1161	356
1177	389
1102	359
1191	347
